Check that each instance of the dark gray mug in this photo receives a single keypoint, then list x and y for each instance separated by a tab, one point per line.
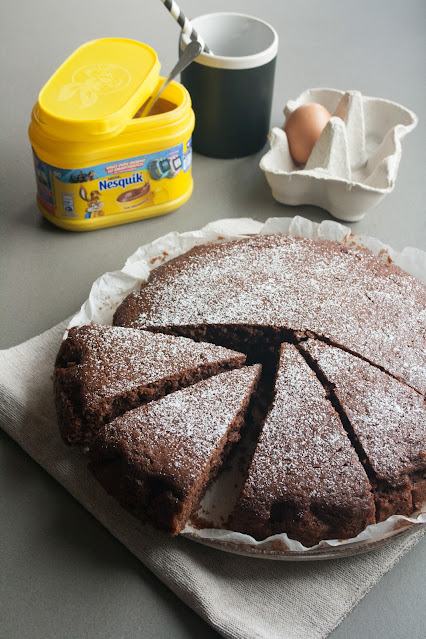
231	88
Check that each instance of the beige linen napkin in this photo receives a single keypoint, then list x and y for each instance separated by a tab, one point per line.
240	597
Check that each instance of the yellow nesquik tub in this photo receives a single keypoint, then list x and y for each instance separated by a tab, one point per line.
97	163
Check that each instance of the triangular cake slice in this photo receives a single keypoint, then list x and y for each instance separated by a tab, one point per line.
158	459
103	371
305	478
387	420
261	290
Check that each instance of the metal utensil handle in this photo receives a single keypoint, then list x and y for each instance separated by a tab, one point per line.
188	55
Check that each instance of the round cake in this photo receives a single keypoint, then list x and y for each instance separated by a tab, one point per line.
341	337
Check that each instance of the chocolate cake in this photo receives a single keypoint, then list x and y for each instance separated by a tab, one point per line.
386	421
157	460
343	438
305	478
278	288
103	371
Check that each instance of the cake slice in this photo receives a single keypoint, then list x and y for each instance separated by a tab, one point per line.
103	371
386	421
305	478
158	459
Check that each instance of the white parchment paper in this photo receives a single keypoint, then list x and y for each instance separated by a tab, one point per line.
111	288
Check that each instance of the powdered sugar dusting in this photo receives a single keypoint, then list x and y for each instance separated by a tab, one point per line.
304	455
388	417
347	296
180	432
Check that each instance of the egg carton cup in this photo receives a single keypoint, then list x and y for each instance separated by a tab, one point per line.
355	161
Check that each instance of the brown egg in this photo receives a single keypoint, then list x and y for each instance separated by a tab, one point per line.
303	128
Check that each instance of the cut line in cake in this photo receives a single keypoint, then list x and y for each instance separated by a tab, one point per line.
385	421
309	335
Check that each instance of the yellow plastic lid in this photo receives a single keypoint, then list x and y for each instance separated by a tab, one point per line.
98	89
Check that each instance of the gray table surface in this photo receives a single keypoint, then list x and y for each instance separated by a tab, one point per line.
62	574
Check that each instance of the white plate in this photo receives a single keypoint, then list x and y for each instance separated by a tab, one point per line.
280	553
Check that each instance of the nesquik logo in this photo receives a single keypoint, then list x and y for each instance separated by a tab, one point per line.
92	80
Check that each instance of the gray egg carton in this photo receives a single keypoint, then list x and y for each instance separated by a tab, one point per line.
355	161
